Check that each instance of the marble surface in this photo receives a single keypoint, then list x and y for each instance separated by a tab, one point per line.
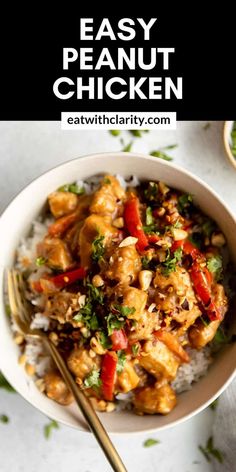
28	149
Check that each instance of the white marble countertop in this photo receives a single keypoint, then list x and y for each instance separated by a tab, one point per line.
26	150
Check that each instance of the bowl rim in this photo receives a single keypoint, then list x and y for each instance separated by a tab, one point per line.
227	148
163	163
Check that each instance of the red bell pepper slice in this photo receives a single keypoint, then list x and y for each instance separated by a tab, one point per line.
188	248
202	280
134	224
67	278
61	280
119	340
108	374
153	238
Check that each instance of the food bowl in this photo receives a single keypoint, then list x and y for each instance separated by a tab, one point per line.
226	139
16	222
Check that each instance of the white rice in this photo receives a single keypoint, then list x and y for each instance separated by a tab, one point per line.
35	352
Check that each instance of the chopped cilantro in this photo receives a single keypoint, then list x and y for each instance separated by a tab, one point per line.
151	193
106	181
49	427
121	361
213	405
184	202
95	294
215	265
149	217
135	349
151	229
4	419
136	132
125	310
128	147
210	451
87	313
151	442
161	155
104	340
73	188
113	322
220	337
208	227
98	248
170	263
93	322
93	379
115	132
145	262
5	384
40	261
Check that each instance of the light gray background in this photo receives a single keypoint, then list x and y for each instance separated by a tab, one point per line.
28	149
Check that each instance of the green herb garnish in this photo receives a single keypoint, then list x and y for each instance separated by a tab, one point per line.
184	201
210	451
151	193
149	217
196	239
104	340
125	310
115	132
135	349
170	263
215	266
161	155
151	442
93	379
40	261
49	427
208	227
98	248
72	188
220	337
5	384
145	262
121	361
106	181
151	229
113	322
128	147
4	419
213	405
95	294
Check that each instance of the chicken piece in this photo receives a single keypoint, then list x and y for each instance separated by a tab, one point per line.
94	226
175	295
62	203
124	265
135	298
81	364
56	253
128	379
64	223
104	200
144	326
72	237
158	360
200	334
56	389
153	400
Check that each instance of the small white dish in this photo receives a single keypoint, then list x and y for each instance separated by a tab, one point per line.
16	222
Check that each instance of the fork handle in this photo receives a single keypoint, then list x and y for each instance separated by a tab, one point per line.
88	411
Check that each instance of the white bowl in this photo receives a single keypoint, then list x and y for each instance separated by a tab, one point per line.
15	223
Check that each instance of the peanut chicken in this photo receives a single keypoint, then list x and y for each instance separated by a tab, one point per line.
56	389
153	400
62	203
81	363
105	199
56	253
124	265
128	379
94	226
158	360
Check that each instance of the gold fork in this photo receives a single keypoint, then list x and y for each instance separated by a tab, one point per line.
21	313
